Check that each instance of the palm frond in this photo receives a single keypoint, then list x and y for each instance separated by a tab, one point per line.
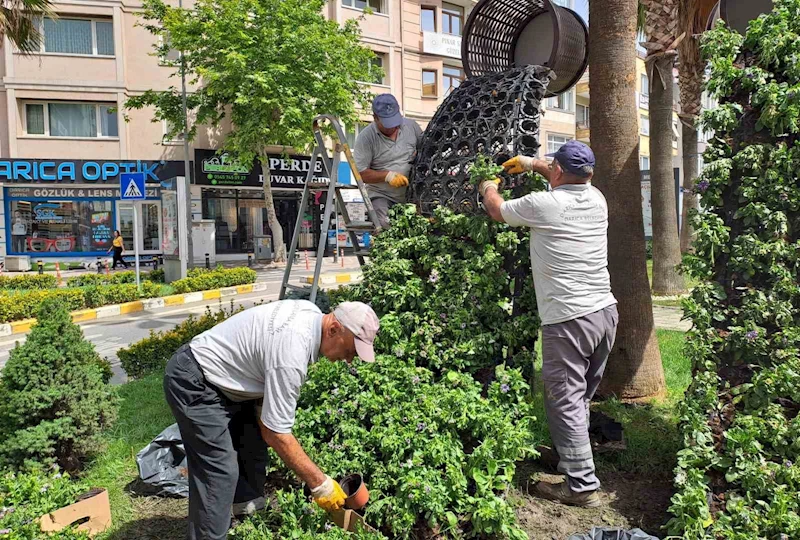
20	22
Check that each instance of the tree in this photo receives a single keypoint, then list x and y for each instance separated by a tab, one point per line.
634	369
660	25
692	18
267	67
19	22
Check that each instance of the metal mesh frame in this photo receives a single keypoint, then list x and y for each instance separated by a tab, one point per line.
494	27
496	115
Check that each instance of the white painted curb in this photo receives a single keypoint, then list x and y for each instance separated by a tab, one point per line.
260	287
192	297
228	291
107	311
153	303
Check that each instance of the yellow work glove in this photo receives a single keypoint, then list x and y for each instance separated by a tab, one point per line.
488	184
329	495
396	180
519	164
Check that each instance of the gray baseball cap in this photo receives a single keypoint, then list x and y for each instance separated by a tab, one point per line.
386	108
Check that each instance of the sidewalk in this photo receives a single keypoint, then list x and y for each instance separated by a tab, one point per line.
669	318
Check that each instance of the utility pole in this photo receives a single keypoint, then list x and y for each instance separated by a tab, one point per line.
185	201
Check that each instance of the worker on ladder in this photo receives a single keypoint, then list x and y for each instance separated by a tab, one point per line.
384	153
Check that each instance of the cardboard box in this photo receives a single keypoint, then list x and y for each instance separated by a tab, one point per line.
350	520
92	508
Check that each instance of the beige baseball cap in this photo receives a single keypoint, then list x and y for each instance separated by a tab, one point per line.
363	323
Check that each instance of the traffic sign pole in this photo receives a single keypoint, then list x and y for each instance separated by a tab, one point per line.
132	188
136	240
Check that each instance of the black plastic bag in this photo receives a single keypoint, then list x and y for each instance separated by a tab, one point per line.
604	533
162	464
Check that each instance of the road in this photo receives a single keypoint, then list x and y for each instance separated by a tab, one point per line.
112	334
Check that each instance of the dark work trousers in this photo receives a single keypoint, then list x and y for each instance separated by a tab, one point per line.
574	355
226	455
117	258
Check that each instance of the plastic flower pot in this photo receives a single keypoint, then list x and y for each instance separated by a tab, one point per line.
355	491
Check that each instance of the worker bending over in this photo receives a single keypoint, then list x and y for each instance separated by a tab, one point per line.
233	390
569	259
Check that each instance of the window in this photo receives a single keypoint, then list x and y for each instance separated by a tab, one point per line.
645	85
451	78
561	102
376	73
375	5
61	226
172	134
582	116
554	142
644	124
452	19
170	57
429	77
93	37
63	119
427	19
645	162
352	134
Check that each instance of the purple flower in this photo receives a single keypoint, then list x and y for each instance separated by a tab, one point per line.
410	495
463	325
398	351
44	488
415	380
4	532
443	316
328	526
405	419
504	388
353	371
335	391
784	196
308	510
702	186
788	464
434	277
751	335
421	426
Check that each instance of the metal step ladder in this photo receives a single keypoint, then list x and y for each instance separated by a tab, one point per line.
333	200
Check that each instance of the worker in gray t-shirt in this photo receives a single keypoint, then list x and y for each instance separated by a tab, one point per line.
233	390
384	153
569	259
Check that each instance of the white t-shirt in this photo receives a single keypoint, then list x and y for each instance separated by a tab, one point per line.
263	352
569	249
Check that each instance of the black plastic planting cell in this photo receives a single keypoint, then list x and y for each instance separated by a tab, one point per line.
496	115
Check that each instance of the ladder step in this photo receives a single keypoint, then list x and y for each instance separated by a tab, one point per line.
299	288
359	226
324	186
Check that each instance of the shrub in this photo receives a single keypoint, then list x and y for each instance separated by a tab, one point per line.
26	496
200	279
104	295
152	353
116	278
53	400
28	281
15	306
156	276
738	475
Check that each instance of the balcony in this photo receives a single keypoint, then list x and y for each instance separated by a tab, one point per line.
441	44
582	133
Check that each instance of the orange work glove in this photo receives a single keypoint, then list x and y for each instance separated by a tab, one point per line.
519	164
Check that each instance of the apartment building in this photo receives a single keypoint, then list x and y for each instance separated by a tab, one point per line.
64	139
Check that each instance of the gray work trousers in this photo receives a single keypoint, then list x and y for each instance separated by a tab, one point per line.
226	456
382	205
574	355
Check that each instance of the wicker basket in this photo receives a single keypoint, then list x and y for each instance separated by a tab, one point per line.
503	34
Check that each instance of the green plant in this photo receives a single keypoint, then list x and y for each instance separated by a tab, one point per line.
156	276
18	305
484	168
116	278
25	496
28	281
738	475
200	279
53	400
152	353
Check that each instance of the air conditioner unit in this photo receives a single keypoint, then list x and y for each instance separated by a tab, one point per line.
17	263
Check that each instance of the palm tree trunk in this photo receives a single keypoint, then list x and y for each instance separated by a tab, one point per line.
667	280
634	369
278	245
690	172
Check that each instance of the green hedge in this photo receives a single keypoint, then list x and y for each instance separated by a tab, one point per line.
152	353
156	276
200	279
28	281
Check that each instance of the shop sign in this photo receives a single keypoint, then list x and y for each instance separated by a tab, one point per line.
74	192
441	44
31	171
212	169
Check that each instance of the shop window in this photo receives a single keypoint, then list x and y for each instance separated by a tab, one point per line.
60	226
452	77
452	19
80	36
429	83
378	6
64	119
427	19
555	141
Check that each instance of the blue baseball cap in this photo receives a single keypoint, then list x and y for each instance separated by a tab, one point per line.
576	158
386	108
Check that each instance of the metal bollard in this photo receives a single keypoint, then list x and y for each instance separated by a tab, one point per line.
249	260
208	262
155	263
99	266
41	267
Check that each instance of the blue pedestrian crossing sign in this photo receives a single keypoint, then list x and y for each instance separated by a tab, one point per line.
131	186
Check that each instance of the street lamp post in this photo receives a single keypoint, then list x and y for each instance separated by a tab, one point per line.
185	201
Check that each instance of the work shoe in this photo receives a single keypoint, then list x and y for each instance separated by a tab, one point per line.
563	494
248	508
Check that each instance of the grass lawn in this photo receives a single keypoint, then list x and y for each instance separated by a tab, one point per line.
650	431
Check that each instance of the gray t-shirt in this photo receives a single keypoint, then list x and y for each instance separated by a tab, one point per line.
569	249
263	352
376	151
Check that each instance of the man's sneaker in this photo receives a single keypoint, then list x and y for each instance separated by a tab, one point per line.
563	494
248	508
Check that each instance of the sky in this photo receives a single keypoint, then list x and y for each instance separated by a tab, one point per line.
582	7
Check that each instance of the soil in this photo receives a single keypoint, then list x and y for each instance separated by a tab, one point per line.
629	501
